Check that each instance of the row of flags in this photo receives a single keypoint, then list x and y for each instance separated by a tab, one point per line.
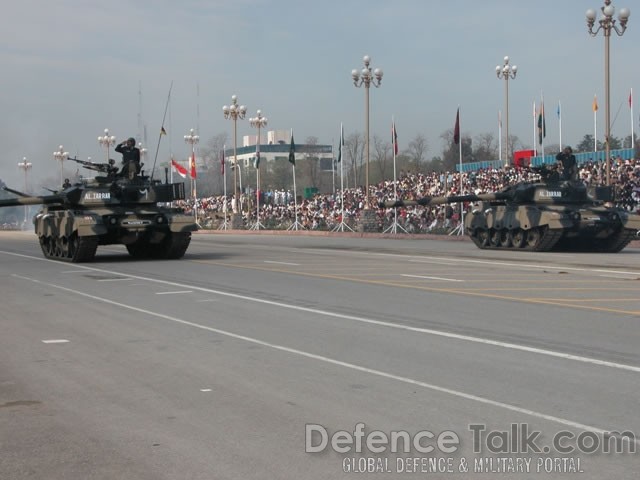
541	125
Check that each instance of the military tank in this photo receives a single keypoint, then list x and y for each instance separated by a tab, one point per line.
549	215
110	209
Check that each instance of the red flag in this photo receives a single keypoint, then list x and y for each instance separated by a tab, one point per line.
394	138
179	168
456	129
630	98
222	162
192	165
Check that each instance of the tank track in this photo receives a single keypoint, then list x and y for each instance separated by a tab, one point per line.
73	249
616	242
538	239
173	246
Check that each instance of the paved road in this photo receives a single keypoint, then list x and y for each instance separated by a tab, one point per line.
232	362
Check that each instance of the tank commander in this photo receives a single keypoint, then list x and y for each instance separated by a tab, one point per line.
130	158
569	165
66	183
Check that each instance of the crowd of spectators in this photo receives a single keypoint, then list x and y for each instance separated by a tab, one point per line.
342	210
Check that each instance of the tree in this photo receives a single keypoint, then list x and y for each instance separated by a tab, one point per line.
417	151
451	151
210	179
586	145
486	148
354	149
311	162
381	157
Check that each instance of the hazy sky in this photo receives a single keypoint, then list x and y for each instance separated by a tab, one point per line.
71	68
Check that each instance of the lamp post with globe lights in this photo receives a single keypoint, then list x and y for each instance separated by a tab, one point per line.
506	72
60	155
607	24
26	166
258	122
366	78
107	141
235	112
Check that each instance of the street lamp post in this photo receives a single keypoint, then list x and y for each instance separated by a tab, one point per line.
60	155
192	139
258	122
607	24
26	166
506	72
235	112
107	141
367	78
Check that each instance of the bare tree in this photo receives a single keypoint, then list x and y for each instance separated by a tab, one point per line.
354	147
381	157
210	181
486	147
311	161
417	151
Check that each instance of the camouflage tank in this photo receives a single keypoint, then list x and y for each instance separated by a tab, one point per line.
107	210
543	216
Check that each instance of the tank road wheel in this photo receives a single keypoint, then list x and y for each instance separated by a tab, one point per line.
63	247
480	237
494	237
45	245
518	237
533	237
173	246
138	250
505	238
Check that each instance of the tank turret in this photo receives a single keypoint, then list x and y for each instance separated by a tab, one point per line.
110	209
542	216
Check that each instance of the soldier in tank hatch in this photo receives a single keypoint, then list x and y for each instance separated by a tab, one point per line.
130	158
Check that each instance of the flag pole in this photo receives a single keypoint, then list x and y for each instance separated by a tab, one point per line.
633	143
560	125
292	160
535	142
225	224
500	136
543	131
461	192
595	123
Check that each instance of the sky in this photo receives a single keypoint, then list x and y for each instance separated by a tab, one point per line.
72	68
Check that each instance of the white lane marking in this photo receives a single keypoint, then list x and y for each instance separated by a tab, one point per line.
458	261
621	278
172	293
113	279
56	340
433	278
282	263
467	338
340	363
433	262
209	300
205	390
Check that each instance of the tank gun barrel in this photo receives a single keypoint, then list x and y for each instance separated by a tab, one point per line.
23	199
15	192
427	200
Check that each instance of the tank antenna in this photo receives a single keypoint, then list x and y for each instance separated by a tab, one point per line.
162	130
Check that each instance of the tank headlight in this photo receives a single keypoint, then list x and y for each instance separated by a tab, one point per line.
113	220
160	219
